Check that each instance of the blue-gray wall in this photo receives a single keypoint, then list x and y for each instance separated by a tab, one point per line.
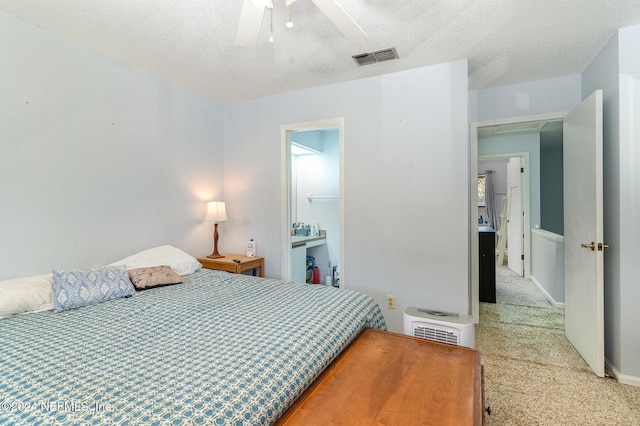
406	180
97	160
616	70
551	182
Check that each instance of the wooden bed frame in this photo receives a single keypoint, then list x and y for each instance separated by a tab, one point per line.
388	378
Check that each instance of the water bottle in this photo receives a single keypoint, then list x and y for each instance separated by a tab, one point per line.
251	248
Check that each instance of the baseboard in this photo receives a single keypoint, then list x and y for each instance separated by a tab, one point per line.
622	378
547	295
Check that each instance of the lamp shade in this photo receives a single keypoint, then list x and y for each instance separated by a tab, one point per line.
216	212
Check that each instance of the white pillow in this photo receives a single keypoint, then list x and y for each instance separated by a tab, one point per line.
178	260
22	295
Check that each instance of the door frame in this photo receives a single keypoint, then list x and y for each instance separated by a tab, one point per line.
525	201
285	191
474	278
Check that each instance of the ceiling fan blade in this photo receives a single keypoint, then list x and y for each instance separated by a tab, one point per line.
341	19
249	25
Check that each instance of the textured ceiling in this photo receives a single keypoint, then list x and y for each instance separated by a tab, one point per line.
191	43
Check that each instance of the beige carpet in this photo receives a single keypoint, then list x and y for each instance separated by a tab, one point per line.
533	375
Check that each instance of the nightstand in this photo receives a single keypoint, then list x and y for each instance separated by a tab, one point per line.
226	263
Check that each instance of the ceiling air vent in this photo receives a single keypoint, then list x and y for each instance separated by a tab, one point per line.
533	126
378	56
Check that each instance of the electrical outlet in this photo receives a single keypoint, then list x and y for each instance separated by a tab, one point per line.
391	301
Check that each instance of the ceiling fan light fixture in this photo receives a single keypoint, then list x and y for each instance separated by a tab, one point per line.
271	28
289	23
252	12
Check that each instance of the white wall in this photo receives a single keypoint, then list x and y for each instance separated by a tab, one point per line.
406	181
531	98
97	160
547	269
616	70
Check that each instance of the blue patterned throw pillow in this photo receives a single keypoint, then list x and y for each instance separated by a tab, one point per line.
72	289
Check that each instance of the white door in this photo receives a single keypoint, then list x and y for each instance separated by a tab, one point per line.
515	235
583	234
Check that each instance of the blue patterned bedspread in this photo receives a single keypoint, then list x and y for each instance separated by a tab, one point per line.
221	349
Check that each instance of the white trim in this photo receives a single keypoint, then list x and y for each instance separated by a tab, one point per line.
474	270
548	235
554	116
547	295
285	198
285	202
622	378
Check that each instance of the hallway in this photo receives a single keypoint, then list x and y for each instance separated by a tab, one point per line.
533	375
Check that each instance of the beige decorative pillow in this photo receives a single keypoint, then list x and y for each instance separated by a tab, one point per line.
154	276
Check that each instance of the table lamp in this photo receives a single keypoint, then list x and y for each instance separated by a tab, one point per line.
216	212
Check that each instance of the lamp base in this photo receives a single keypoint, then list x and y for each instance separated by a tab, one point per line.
215	254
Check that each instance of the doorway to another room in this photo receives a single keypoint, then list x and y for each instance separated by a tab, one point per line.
313	241
522	323
501	207
502	182
562	268
532	149
523	167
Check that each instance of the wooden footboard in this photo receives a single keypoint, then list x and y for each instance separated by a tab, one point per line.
388	378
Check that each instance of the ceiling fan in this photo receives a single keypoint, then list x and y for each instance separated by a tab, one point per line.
253	10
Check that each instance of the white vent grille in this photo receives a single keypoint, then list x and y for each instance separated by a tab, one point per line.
440	334
442	327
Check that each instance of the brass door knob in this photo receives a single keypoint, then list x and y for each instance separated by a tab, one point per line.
592	245
602	246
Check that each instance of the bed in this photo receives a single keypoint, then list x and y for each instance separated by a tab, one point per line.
220	348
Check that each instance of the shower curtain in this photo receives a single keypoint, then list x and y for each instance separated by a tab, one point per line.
491	209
